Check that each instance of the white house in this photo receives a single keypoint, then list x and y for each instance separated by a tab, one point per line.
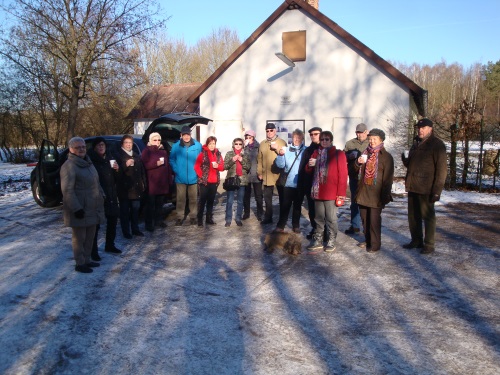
336	82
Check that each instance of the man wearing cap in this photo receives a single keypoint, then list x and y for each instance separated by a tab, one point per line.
182	159
425	177
266	169
252	150
353	149
305	180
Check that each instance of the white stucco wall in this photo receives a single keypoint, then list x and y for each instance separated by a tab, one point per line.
334	88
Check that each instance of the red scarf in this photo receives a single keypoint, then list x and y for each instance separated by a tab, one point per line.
239	167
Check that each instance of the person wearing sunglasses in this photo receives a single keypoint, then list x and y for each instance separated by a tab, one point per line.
329	169
376	172
251	148
353	148
267	171
237	163
155	160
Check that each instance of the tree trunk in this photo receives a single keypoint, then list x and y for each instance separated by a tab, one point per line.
453	156
73	111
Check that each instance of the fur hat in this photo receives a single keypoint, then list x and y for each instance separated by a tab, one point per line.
377	132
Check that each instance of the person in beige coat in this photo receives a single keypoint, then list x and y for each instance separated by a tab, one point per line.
83	202
267	170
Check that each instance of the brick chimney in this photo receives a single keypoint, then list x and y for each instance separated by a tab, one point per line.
313	3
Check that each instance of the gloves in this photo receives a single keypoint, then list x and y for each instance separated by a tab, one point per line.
339	201
80	214
434	198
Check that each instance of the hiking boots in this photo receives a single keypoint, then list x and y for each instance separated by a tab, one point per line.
316	243
83	269
428	249
330	245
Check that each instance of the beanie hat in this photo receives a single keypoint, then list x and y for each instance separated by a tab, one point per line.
250	132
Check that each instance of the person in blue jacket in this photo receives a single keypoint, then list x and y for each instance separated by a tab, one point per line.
182	158
289	160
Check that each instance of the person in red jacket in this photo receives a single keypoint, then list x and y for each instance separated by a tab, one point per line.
208	166
329	168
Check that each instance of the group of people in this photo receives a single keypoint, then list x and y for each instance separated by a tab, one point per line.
97	185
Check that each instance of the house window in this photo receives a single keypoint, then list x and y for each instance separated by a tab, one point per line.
294	45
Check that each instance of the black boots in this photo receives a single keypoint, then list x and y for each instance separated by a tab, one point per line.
210	220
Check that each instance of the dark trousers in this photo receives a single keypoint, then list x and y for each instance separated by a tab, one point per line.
268	200
291	197
311	208
353	186
129	215
154	210
257	192
372	226
420	208
207	198
111	222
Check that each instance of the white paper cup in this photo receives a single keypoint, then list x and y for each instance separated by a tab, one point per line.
247	142
407	153
283	148
133	162
162	160
312	162
364	157
112	163
214	164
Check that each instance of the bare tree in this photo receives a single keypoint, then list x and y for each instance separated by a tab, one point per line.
79	34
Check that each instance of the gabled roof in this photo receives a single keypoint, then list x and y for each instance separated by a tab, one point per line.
165	99
416	91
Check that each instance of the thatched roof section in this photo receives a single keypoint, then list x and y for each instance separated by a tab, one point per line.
165	99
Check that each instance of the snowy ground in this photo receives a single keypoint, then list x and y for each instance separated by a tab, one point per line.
209	301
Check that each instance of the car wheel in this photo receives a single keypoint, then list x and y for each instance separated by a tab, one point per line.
35	190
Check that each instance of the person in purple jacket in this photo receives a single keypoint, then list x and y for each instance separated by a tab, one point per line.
155	160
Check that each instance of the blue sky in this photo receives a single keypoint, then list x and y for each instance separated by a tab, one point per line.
424	32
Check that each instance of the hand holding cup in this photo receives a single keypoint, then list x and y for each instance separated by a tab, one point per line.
312	162
362	159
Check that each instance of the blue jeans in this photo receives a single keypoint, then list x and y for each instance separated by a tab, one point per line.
355	216
240	194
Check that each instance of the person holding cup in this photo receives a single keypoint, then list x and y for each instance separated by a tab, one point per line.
251	149
376	172
159	176
107	169
329	169
267	171
131	186
237	163
353	148
208	166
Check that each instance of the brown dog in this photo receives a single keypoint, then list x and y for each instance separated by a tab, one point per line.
288	242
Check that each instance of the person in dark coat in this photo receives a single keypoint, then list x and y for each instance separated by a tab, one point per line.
376	172
252	150
83	202
155	160
107	168
329	168
304	181
425	179
131	187
208	166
